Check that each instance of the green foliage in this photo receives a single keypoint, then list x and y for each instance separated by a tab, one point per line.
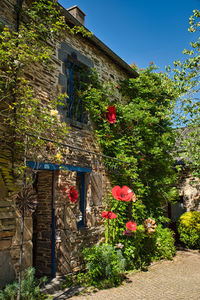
105	266
142	248
143	137
187	113
189	229
30	288
22	111
164	243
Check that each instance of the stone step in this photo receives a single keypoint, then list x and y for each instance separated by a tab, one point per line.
67	293
53	285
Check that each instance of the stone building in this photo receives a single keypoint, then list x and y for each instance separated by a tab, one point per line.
58	230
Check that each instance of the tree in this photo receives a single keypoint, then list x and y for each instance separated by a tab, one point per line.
142	134
187	113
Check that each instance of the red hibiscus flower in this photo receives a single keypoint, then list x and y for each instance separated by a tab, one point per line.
131	226
122	194
73	194
111	114
109	215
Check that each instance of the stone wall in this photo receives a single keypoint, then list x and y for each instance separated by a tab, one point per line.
69	239
189	189
7	231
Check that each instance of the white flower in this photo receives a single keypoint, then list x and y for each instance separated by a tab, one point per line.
119	246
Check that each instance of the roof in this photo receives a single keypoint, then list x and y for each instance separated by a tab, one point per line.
98	43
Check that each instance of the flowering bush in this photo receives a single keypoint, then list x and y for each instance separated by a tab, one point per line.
141	136
189	229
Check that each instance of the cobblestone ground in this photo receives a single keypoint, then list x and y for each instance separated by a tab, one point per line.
178	279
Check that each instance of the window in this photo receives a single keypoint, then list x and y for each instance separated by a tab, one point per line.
80	182
76	79
72	79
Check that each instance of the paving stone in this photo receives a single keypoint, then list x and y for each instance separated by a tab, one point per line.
166	280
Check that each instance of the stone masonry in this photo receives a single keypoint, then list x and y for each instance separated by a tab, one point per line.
70	239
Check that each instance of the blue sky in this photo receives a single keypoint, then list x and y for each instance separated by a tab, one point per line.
140	31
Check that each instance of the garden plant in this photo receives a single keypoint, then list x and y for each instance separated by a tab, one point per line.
189	229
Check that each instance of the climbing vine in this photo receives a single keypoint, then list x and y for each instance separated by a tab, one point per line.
25	53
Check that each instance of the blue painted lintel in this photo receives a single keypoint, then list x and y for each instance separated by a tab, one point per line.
52	167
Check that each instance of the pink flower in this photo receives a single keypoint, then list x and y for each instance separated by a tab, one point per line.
111	114
73	194
127	232
109	215
122	194
131	226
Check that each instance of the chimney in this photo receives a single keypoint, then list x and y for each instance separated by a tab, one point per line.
77	13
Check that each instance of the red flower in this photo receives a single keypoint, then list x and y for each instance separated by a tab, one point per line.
111	114
73	194
122	194
109	215
142	158
131	226
151	63
116	86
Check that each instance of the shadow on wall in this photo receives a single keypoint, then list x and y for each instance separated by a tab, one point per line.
7	273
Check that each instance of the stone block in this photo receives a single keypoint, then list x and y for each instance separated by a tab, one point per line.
5	244
6	234
7	272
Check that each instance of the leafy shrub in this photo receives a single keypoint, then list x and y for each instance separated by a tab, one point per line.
138	249
189	229
164	243
105	266
142	248
30	288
